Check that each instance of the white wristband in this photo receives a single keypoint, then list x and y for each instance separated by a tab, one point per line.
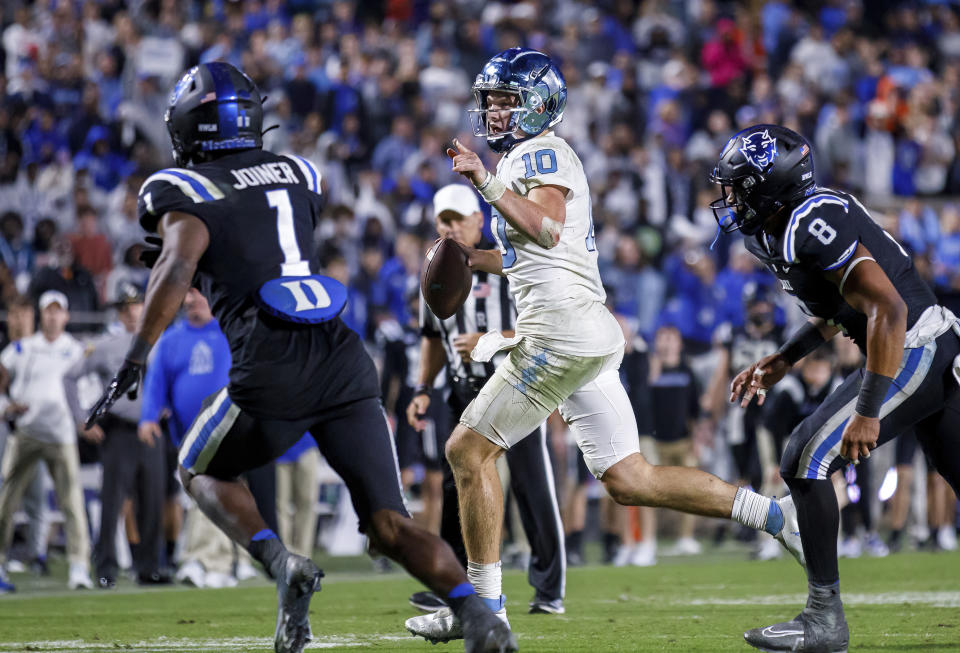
491	189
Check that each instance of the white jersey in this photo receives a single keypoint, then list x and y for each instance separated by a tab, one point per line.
36	368
558	292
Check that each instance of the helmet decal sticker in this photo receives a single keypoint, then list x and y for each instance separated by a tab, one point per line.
759	149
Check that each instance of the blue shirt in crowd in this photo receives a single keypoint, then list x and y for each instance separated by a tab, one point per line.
189	364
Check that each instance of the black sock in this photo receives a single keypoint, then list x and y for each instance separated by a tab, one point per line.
895	536
171	547
819	519
267	549
611	542
574	542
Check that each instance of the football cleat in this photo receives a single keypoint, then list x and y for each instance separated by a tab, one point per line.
79	577
296	584
443	625
789	535
819	628
191	572
427	601
546	606
801	634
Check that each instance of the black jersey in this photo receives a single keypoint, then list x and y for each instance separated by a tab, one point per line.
822	234
261	210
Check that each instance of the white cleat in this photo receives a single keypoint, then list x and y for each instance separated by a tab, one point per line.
644	554
79	577
191	573
947	538
218	580
850	547
442	626
246	571
686	546
789	535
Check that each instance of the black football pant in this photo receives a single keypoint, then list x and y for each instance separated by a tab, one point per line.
130	468
924	397
532	484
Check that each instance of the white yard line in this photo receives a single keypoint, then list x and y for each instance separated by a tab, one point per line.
164	644
945	599
932	599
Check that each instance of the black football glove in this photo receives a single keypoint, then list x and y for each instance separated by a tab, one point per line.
149	255
128	379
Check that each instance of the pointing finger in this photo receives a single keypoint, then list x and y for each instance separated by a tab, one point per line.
461	147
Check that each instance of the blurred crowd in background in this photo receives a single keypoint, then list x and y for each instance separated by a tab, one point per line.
372	92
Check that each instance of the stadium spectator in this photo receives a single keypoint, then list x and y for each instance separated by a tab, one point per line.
20	325
90	246
675	400
129	466
45	430
297	489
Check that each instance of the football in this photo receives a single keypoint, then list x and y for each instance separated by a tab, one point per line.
446	280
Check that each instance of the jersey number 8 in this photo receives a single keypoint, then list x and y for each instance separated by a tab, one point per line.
822	231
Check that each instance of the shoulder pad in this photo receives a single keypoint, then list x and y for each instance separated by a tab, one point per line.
173	189
308	170
189	183
825	204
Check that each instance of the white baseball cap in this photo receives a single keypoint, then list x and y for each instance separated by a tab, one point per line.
458	198
53	297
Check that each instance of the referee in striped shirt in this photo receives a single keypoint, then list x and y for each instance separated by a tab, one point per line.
449	343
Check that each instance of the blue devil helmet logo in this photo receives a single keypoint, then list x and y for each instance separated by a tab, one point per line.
759	149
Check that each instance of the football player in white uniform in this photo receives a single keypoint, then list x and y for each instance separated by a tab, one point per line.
568	346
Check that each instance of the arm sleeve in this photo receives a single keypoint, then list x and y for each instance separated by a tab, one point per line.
88	363
155	385
823	235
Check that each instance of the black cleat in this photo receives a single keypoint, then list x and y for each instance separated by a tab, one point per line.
155	578
296	584
546	606
427	601
820	628
483	631
106	583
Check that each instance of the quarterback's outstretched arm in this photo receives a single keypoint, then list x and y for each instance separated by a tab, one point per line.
540	215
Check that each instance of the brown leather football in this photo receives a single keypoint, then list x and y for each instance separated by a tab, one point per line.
446	280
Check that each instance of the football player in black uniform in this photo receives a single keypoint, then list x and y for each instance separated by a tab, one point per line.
239	221
739	347
851	276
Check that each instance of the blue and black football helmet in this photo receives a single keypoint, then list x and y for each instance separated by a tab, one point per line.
541	91
761	169
213	108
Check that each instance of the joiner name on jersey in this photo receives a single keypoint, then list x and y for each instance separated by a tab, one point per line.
261	175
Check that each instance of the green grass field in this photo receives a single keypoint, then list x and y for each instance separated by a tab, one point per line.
907	602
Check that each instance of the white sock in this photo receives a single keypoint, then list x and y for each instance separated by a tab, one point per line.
486	579
750	509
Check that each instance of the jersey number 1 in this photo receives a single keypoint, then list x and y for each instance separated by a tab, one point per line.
293	264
